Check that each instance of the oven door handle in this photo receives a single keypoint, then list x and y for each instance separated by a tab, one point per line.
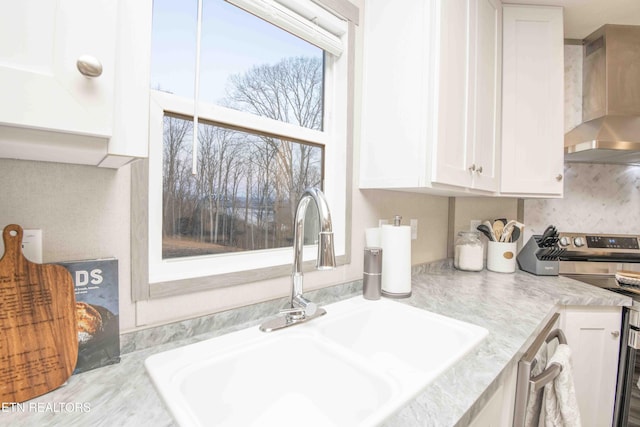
634	339
548	375
554	369
557	333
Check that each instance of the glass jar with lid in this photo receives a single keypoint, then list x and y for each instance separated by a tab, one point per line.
469	251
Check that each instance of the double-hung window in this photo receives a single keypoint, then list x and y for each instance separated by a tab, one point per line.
250	105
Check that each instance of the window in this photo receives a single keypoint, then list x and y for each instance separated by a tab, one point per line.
270	104
243	196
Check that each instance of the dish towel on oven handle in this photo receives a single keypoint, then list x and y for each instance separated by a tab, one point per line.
560	405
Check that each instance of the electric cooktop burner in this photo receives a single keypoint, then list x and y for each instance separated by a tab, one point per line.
609	283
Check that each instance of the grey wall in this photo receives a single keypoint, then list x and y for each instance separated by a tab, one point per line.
83	212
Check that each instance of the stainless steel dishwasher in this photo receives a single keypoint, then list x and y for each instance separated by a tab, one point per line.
527	385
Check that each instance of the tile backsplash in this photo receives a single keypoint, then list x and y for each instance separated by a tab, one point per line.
598	198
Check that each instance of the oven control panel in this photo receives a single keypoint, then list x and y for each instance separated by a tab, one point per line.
612	242
586	242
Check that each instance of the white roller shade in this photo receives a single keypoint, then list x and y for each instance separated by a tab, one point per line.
301	18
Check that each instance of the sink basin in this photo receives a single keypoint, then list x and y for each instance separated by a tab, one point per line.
354	366
412	345
248	380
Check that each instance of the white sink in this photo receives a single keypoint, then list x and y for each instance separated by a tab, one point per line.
356	365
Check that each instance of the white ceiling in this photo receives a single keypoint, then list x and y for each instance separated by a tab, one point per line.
582	17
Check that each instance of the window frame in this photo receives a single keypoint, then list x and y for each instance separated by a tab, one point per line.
145	237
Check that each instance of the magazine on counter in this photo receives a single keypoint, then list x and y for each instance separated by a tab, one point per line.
96	290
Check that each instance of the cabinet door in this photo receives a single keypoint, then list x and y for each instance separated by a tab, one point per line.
396	100
423	116
486	78
40	84
532	100
491	414
468	145
453	155
593	333
498	411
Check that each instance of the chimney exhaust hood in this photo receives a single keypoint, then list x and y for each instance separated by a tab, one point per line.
610	132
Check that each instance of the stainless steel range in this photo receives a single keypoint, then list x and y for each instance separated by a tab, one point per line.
596	259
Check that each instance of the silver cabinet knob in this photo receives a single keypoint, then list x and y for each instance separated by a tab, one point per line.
615	334
89	66
559	177
473	168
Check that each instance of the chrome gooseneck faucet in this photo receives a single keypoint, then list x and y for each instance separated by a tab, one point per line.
301	309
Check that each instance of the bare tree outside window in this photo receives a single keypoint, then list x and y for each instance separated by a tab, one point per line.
289	91
244	195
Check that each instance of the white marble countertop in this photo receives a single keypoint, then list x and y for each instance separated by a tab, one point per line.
513	307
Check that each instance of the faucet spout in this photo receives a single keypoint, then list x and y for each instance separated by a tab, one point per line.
326	254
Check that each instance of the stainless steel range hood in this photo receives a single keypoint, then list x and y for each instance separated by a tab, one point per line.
610	132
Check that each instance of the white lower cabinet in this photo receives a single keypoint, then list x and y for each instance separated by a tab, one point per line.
593	333
490	415
498	411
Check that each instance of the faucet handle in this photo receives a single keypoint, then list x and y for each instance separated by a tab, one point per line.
309	307
291	310
293	313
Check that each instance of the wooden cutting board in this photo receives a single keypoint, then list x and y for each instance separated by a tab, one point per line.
38	335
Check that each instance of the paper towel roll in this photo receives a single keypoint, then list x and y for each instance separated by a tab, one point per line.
396	262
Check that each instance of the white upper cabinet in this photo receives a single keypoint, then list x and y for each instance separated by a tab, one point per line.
487	73
431	97
51	110
43	41
397	94
532	101
468	143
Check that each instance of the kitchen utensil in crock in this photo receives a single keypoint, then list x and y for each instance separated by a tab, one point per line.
498	227
39	343
507	232
486	231
515	233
